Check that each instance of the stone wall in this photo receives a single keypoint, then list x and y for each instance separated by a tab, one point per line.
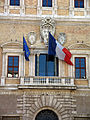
28	103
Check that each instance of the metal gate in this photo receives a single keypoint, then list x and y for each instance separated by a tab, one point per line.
46	115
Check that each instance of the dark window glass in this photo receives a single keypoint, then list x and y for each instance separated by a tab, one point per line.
13	66
10	118
35	65
47	3
79	3
80	67
42	65
14	2
48	65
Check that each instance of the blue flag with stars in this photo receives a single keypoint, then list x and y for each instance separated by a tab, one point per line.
26	49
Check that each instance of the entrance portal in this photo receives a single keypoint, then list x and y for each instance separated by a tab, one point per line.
46	115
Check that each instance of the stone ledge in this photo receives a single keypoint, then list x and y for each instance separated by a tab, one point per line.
46	87
83	116
16	87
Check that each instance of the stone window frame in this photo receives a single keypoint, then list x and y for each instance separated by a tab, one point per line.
13	66
79	58
13	54
21	7
73	68
40	8
72	9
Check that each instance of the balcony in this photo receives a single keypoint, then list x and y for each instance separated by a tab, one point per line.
40	82
46	82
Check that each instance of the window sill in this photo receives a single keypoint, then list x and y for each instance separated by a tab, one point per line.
79	9
14	7
47	8
81	79
10	78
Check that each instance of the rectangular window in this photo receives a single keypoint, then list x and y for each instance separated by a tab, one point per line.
13	66
15	2
79	3
80	67
10	118
48	65
47	3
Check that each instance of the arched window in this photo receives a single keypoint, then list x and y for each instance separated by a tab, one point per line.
46	115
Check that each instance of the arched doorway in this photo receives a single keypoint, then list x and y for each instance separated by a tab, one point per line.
46	115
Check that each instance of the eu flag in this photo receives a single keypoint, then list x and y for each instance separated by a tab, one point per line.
26	49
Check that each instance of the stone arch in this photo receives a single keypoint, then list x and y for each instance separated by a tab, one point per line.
46	101
46	114
47	108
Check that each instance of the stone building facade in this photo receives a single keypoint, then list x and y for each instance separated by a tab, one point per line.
49	90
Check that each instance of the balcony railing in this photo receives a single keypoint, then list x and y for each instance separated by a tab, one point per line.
47	81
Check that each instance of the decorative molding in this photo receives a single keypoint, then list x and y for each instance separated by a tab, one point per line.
40	8
79	46
62	38
47	25
31	104
12	43
31	37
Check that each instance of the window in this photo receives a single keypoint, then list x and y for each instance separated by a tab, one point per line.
48	65
80	67
79	3
47	3
14	2
13	66
10	118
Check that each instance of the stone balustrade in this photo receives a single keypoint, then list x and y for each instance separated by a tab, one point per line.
46	81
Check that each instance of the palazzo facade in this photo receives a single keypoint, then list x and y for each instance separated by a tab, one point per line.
44	88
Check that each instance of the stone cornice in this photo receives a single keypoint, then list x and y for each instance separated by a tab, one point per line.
38	18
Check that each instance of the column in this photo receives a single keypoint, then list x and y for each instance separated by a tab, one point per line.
31	65
39	7
22	8
38	64
3	69
85	7
89	70
54	7
6	7
71	8
22	65
88	7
